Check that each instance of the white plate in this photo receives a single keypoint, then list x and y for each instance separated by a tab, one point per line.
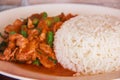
7	17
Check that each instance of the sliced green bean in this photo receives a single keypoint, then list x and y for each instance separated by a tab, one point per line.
48	22
23	27
56	19
53	60
35	22
24	33
37	62
3	44
12	32
44	15
50	38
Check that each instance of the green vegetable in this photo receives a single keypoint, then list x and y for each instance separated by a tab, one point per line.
48	22
50	38
23	27
35	21
56	19
36	62
53	60
3	44
24	33
44	15
12	32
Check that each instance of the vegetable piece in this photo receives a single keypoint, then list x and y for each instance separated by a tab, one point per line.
36	62
48	22
44	15
24	33
56	19
3	44
30	24
23	27
35	21
12	32
53	60
50	38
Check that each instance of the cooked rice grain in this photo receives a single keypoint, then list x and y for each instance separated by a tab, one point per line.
89	44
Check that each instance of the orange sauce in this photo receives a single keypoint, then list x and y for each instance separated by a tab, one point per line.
57	70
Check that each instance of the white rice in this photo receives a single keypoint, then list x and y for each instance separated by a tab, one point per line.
89	44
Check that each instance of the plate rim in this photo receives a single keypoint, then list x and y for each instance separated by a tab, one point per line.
48	4
15	76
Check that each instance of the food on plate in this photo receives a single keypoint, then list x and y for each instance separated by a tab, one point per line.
83	44
89	44
31	40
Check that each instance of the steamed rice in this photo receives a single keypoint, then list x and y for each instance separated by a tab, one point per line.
89	44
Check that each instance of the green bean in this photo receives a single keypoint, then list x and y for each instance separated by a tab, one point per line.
53	60
35	22
44	15
24	33
37	62
3	44
12	32
23	27
50	38
48	22
56	19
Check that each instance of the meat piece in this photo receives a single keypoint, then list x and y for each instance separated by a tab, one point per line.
35	16
44	56
42	24
44	29
15	27
28	53
7	54
14	40
56	26
30	24
45	61
64	17
34	33
18	40
43	34
46	48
